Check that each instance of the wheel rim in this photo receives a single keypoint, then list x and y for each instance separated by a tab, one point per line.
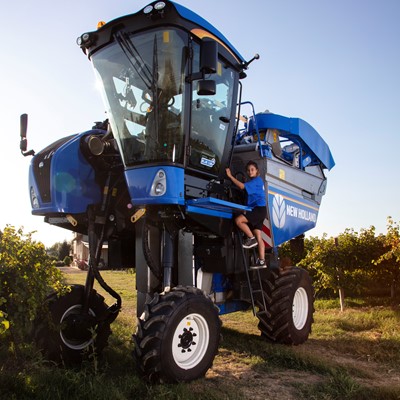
300	308
75	342
190	341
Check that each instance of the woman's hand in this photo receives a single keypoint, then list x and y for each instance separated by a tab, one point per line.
239	184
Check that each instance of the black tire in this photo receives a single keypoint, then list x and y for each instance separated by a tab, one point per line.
166	350
55	334
289	299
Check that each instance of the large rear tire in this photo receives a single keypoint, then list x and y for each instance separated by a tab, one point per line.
64	334
289	298
177	336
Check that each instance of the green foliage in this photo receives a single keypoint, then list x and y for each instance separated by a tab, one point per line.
358	262
26	277
4	323
342	262
64	250
59	250
389	260
292	250
296	249
52	251
392	241
67	260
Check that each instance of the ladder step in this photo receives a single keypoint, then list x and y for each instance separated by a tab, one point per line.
255	267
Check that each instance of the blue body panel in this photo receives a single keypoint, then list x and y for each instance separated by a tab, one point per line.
296	129
72	181
214	207
290	215
221	284
140	180
231	306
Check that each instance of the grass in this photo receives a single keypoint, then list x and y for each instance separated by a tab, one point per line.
350	355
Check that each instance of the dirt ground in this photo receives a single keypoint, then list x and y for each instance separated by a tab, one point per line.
279	385
70	270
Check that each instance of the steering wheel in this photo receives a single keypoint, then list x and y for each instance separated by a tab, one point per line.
241	175
144	107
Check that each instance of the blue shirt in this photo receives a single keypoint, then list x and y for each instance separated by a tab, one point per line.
255	192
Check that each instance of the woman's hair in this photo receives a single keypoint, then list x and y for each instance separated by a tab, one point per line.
253	163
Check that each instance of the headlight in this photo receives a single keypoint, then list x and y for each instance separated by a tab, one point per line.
148	9
159	185
159	189
159	6
34	199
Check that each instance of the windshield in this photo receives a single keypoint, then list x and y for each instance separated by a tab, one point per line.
143	77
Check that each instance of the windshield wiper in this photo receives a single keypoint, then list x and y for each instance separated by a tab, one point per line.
154	86
134	58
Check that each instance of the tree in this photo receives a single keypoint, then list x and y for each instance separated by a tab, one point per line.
293	250
4	323
26	277
342	262
67	261
52	251
64	250
389	260
296	249
59	250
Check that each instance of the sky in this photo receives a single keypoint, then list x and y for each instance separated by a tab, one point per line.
335	64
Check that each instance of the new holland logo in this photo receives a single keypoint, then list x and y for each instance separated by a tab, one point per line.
279	211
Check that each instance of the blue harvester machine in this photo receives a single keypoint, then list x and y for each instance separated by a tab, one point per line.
150	182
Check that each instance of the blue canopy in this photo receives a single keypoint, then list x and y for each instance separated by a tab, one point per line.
296	129
193	17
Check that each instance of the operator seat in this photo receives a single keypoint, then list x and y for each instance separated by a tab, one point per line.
272	138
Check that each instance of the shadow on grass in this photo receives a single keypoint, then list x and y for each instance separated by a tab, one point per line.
271	356
113	376
339	381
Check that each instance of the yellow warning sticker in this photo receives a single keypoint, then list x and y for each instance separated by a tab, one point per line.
166	36
219	69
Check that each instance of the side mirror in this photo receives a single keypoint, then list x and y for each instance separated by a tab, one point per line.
23	144
24	125
208	56
208	65
23	129
206	87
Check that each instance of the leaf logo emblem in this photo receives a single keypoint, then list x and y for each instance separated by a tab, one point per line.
278	211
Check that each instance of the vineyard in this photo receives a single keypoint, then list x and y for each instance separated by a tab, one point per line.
351	354
359	263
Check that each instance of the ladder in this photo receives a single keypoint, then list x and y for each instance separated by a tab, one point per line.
252	268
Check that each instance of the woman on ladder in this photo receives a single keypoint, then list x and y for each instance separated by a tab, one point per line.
251	222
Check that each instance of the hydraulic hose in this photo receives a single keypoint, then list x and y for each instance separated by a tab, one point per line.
96	245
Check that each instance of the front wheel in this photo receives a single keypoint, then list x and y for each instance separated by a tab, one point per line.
65	334
289	299
177	336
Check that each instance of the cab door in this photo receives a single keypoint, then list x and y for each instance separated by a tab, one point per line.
212	122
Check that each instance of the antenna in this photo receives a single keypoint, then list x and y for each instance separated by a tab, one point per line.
246	64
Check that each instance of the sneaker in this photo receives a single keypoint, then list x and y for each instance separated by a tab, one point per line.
249	243
260	263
